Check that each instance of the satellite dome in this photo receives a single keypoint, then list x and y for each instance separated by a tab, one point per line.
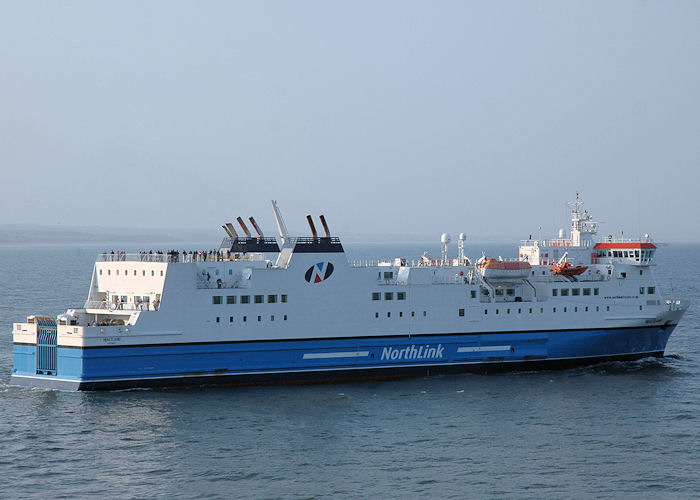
445	238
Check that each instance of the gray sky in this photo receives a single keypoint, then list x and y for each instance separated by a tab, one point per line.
388	117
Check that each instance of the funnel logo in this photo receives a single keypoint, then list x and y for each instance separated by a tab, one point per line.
319	272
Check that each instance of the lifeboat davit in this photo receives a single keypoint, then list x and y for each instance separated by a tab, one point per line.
566	269
504	269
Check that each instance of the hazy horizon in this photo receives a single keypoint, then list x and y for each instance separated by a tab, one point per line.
391	117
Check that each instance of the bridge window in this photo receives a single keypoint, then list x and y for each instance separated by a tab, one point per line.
473	294
272	299
245	299
586	291
388	275
216	299
510	291
259	299
651	290
389	296
461	312
400	295
217	319
564	292
376	296
555	292
283	298
230	319
230	299
576	291
596	291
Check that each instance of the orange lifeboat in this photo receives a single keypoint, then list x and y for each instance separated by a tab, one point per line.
504	269
566	269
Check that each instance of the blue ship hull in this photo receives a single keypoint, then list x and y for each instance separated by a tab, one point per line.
325	360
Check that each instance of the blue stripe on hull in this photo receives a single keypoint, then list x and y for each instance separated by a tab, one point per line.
310	360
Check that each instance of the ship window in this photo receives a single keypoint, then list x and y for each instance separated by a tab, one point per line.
216	299
473	294
641	290
565	309
554	309
564	292
217	319
161	273
575	309
376	296
134	272
230	319
641	272
117	272
597	308
272	317
461	312
230	272
379	275
400	314
272	299
283	298
507	311
230	299
245	318
153	273
519	311
259	299
596	291
217	272
389	296
640	308
388	315
413	313
576	291
245	299
586	291
259	318
285	317
496	311
586	308
400	295
100	272
510	291
541	309
499	291
376	315
388	275
607	308
530	310
425	313
651	290
143	273
554	292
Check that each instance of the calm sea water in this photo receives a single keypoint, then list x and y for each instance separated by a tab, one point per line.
622	430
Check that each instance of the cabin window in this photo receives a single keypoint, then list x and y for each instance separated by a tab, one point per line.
596	291
376	296
425	313
143	273
230	319
283	298
576	291
541	310
100	272
388	275
641	272
259	299
564	292
461	312
651	290
575	309
486	311
230	299
413	314
507	311
400	295
473	294
245	299
259	319
400	314
272	317
565	309
555	292
554	309
245	319
641	290
607	308
586	291
217	319
285	317
531	310
519	311
272	299
388	295
134	272
153	273
496	311
216	299
388	315
230	272
161	273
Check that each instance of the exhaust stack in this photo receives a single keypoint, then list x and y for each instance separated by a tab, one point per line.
255	226
311	225
231	230
325	226
245	229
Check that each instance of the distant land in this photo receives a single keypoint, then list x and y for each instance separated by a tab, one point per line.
36	234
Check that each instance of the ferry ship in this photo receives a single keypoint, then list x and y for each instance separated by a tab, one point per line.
295	310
